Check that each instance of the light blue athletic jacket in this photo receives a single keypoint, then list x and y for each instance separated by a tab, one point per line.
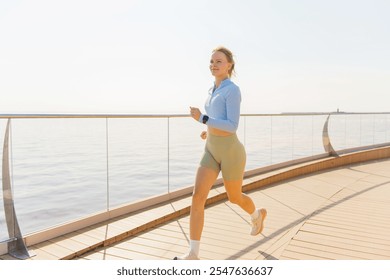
223	106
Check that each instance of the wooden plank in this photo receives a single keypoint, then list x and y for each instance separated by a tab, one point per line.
362	228
345	234
168	231
335	179
287	258
95	232
338	214
348	253
350	222
359	215
156	243
82	238
377	179
129	222
368	197
361	208
302	235
287	254
353	174
319	254
342	243
53	249
69	244
168	239
321	190
100	256
127	254
42	254
147	250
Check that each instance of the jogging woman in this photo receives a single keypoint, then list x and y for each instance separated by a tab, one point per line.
223	151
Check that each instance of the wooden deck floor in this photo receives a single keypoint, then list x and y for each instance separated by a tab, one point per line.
343	213
338	214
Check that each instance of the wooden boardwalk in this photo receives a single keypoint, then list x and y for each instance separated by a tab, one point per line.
342	213
338	214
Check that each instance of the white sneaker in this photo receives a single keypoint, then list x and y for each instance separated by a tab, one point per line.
258	223
188	256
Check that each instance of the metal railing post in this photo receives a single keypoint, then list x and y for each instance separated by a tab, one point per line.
168	153
326	140
16	246
107	167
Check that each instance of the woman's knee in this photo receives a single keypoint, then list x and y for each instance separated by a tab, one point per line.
198	198
235	199
199	195
233	189
205	179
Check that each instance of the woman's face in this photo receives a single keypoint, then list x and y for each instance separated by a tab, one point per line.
219	65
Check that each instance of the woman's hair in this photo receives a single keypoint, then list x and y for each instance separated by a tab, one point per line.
229	56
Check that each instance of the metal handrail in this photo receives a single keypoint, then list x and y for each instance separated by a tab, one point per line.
143	116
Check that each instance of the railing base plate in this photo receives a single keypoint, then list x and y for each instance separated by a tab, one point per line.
21	255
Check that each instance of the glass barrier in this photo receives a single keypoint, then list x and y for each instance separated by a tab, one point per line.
65	168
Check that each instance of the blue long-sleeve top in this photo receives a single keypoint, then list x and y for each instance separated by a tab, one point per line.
223	106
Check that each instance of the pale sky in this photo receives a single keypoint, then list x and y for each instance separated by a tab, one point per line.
149	57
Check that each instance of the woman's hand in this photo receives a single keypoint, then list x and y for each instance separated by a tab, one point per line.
195	113
203	135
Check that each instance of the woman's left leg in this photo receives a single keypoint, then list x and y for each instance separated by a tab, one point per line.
232	167
236	196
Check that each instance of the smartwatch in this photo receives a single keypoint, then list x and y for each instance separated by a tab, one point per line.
205	119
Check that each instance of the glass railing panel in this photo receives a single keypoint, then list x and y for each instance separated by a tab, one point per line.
185	151
257	139
367	130
381	128
337	131
282	138
59	170
274	139
355	130
303	134
137	159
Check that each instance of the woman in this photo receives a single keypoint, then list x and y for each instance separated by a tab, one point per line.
223	151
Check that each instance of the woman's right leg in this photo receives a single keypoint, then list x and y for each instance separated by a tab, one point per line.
205	178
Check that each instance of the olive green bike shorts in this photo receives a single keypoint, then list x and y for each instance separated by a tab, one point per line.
225	154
